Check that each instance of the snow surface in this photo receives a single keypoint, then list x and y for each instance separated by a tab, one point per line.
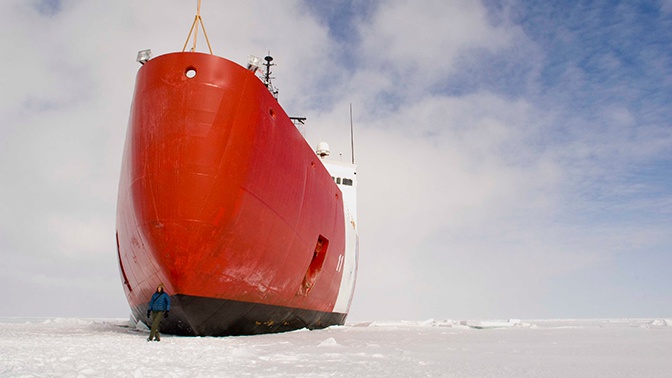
529	348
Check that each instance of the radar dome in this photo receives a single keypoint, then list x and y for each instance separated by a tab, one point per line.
322	150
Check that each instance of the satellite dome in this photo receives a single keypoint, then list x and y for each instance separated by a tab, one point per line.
322	150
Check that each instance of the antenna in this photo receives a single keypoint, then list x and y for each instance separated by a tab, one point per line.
352	136
268	77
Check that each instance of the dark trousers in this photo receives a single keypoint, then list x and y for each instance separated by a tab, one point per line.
155	320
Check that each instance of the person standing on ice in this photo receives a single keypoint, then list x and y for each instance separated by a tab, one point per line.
159	307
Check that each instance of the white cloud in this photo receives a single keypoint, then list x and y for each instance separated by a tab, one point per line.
427	37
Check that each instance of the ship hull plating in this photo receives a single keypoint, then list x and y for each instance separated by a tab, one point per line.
222	200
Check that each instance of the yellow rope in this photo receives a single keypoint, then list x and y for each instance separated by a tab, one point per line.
206	37
194	30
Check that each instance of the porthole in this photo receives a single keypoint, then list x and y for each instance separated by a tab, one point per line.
191	72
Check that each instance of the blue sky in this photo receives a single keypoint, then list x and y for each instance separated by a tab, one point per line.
515	158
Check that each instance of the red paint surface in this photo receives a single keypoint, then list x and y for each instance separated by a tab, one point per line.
220	196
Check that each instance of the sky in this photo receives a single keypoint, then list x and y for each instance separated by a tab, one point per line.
514	157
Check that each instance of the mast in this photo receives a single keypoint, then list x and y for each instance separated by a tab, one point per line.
267	76
352	137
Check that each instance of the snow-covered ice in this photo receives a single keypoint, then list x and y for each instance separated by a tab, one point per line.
519	348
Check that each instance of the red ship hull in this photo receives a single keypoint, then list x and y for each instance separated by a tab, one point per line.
222	200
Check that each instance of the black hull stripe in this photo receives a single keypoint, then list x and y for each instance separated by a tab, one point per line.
200	316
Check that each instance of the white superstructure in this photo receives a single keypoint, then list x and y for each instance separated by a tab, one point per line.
345	176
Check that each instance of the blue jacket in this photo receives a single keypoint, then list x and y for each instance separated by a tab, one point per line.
159	302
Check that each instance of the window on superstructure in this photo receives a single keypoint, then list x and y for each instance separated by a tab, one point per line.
338	180
347	182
